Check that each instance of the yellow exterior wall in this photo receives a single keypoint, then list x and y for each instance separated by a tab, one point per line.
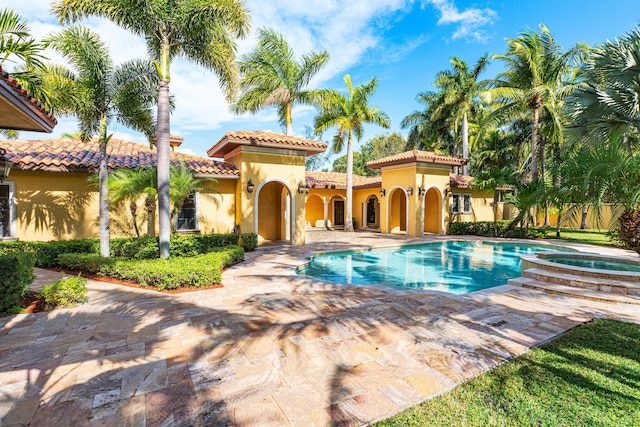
361	196
481	209
262	165
573	220
314	208
63	205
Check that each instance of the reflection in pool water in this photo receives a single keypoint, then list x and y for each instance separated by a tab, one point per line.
453	266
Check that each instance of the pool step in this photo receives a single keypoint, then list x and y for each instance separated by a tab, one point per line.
582	282
575	292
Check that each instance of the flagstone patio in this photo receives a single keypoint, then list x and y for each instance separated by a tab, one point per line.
269	348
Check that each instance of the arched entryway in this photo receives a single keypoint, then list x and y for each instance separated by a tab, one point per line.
337	211
314	211
273	220
371	212
397	210
432	205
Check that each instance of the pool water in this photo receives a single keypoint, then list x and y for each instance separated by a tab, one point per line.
596	263
454	266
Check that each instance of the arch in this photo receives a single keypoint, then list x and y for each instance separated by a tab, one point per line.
282	205
432	214
397	210
371	212
314	210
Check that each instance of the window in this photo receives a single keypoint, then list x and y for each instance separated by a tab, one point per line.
7	210
461	204
188	216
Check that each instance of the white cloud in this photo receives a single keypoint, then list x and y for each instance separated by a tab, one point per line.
470	21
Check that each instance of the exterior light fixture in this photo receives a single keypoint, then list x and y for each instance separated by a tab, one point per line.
250	187
446	192
302	188
307	188
5	165
421	191
410	191
382	192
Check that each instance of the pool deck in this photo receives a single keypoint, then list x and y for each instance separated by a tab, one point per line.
269	348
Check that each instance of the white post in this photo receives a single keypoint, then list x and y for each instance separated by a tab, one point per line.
326	215
364	214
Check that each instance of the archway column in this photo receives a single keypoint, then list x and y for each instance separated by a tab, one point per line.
326	215
364	214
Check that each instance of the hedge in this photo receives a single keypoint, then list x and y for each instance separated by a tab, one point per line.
485	228
181	245
46	253
16	274
172	273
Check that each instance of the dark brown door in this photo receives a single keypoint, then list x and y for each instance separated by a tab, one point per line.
338	212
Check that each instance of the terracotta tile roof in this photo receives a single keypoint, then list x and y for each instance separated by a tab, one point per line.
62	155
460	181
338	180
416	156
22	103
232	140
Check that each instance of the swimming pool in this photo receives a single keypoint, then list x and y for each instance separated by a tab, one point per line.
457	267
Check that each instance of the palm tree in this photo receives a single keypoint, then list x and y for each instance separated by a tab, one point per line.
184	184
107	93
271	76
608	106
202	31
16	40
129	185
460	88
426	131
534	79
348	113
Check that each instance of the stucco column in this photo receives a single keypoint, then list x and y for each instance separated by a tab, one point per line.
326	215
364	214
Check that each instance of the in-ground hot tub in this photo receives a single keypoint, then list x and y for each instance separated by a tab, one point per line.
611	268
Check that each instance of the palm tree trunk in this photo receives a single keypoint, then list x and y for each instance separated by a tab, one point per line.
133	209
583	223
103	176
495	213
534	144
289	121
348	224
559	222
150	204
465	143
163	131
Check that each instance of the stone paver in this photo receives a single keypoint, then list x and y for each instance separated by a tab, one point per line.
269	348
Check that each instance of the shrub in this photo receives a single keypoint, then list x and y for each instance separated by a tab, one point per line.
16	274
46	253
181	245
485	228
172	273
249	241
65	293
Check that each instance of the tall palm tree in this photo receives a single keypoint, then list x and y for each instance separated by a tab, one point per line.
608	105
348	113
124	93
202	31
271	76
461	89
426	131
534	80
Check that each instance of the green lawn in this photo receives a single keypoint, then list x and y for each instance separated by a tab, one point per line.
588	377
592	237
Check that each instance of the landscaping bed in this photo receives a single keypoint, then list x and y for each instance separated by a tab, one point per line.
587	377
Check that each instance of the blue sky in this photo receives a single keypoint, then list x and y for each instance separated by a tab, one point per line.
402	42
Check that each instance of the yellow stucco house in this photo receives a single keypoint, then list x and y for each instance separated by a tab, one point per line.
261	186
